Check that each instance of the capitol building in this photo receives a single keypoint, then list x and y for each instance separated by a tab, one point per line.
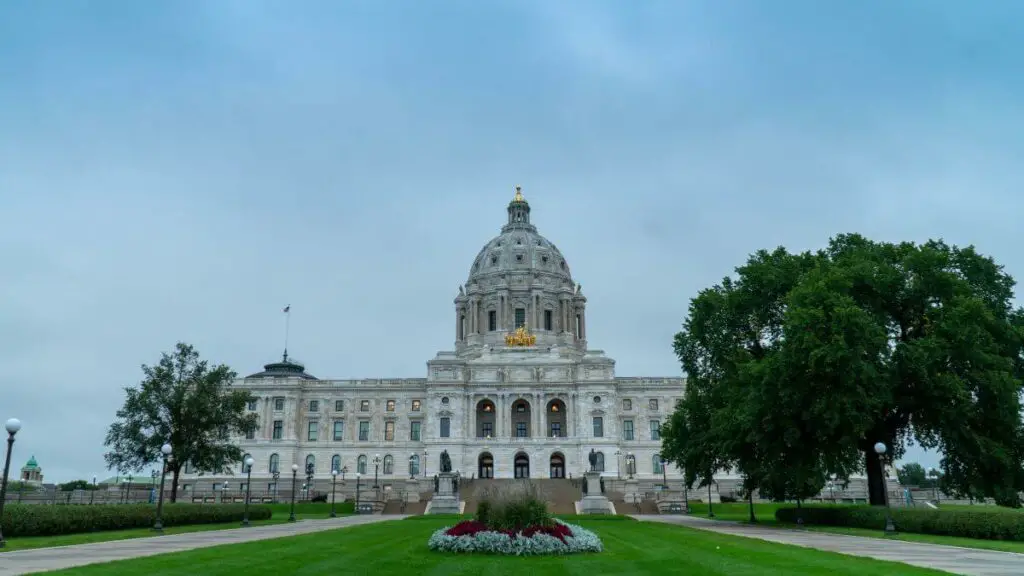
522	395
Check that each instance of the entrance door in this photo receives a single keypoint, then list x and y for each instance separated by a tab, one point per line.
486	466
557	466
522	466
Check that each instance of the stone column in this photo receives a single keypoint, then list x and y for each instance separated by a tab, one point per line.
583	324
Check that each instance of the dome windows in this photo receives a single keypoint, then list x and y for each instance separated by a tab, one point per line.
544	259
494	260
519	257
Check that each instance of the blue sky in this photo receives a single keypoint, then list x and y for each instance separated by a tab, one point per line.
181	171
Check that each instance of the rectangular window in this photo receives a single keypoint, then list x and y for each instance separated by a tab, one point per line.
520	429
414	431
389	431
272	487
339	405
391	406
548	320
627	404
655	429
278	429
339	430
311	431
556	429
364	406
416	405
488	429
364	430
251	405
627	429
653	404
314	405
278	404
446	427
598	427
250	433
520	317
492	320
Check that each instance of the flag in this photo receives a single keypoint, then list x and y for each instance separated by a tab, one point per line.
287	308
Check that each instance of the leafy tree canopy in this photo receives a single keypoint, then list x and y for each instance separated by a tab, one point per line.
798	366
185	402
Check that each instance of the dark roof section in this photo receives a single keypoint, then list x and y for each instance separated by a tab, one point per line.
284	369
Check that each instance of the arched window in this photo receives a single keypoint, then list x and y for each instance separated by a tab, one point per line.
414	465
275	463
599	466
389	465
657	463
310	464
336	463
243	462
361	464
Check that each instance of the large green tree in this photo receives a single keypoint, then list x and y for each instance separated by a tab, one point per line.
913	474
187	403
800	364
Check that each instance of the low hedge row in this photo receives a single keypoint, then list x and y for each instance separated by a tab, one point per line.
983	524
50	520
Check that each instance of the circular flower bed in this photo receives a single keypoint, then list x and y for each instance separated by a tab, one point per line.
472	536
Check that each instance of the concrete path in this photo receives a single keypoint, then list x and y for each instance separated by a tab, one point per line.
43	559
968	561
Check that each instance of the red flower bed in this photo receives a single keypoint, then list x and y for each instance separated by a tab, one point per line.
472	527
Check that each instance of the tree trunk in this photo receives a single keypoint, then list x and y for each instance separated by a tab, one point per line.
174	484
750	498
876	478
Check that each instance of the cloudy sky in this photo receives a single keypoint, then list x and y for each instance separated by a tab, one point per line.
181	171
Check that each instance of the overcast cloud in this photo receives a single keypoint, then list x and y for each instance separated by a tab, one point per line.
181	171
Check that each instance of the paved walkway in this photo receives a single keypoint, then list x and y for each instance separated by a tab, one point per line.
43	559
968	561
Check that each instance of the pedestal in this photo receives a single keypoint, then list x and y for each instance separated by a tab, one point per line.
412	490
631	493
594	502
446	499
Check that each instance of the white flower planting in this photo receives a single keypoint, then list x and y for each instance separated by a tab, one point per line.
582	540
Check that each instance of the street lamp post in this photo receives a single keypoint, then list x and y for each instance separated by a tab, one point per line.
358	478
935	484
159	526
248	488
618	464
376	469
224	492
664	473
880	449
277	477
831	493
12	426
424	463
412	473
92	495
334	478
344	470
295	473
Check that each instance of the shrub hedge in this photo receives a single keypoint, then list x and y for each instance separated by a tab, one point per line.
50	520
983	524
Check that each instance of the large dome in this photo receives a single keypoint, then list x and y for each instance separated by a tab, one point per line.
519	249
519	280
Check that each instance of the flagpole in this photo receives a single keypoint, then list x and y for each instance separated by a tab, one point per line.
287	321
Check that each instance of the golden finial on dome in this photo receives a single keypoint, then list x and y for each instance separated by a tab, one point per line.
521	337
519	195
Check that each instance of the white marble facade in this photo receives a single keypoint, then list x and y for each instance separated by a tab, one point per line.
499	410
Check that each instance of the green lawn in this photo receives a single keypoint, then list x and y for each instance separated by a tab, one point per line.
399	547
303	511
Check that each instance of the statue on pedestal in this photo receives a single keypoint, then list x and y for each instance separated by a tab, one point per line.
593	460
446	462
